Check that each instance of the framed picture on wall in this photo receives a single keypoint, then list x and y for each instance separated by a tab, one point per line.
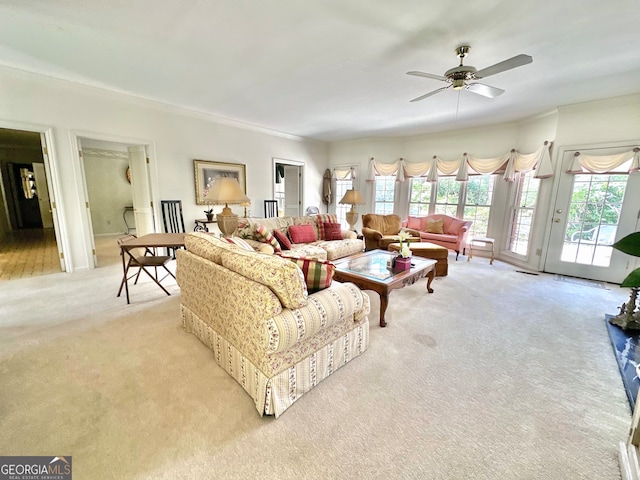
205	173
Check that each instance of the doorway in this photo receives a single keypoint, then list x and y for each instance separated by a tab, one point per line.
287	186
592	211
29	227
118	195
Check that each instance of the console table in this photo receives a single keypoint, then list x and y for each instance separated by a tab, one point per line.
201	224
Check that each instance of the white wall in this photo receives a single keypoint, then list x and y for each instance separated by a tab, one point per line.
176	137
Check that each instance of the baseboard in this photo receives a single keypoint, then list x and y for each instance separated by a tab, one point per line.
628	457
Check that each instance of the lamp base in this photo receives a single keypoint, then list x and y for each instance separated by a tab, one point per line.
227	223
352	219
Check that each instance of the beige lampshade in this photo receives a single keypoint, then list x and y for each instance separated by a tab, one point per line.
226	190
352	197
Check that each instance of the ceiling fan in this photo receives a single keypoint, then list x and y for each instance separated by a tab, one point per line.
458	77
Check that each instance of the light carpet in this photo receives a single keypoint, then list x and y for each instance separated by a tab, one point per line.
496	375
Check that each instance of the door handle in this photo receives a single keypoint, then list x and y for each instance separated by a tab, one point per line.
557	220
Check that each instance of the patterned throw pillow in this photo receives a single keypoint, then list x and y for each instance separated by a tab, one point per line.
332	231
265	236
240	243
302	234
323	218
435	226
282	239
244	229
317	274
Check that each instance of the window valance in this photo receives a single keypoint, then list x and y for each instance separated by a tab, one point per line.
510	163
583	163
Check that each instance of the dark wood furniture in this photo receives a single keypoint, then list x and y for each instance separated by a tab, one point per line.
172	219
201	224
270	208
372	271
148	244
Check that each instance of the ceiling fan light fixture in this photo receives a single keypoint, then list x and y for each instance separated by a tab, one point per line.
458	84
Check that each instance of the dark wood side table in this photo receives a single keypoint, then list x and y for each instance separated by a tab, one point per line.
201	224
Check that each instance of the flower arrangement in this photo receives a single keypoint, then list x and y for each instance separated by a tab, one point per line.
209	213
405	251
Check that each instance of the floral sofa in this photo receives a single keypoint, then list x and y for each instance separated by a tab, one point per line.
320	246
443	230
254	312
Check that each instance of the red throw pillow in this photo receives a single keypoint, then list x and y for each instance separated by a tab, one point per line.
283	240
332	231
302	233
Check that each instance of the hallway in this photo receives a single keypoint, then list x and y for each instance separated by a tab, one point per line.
29	253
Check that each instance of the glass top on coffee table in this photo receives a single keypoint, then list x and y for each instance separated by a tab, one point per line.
374	264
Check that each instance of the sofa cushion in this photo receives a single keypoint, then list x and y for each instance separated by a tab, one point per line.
317	274
265	236
414	222
339	249
439	237
307	250
455	226
283	240
302	233
280	275
332	231
435	226
240	242
207	246
321	219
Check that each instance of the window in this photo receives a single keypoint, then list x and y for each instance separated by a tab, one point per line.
478	204
522	213
419	197
448	192
385	194
341	209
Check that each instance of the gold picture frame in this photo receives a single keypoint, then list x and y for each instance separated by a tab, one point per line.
206	171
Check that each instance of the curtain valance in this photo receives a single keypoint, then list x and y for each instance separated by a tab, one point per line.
510	163
583	163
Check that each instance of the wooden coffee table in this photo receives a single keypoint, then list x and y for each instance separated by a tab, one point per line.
369	271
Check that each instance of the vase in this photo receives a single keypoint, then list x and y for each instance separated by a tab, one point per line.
209	217
401	264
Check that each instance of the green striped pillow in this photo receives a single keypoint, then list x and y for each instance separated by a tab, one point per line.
317	274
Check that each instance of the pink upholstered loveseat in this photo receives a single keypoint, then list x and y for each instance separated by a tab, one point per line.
454	231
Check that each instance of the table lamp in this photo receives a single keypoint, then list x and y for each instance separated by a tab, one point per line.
225	191
353	198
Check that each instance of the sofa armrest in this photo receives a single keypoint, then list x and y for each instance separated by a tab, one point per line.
412	231
338	304
371	233
349	235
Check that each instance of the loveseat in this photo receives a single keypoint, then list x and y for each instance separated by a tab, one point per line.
318	243
381	230
443	230
253	310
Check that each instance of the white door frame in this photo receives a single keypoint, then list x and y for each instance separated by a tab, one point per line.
273	180
54	185
85	220
559	172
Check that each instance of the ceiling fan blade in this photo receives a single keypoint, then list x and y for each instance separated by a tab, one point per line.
422	97
484	90
514	62
427	75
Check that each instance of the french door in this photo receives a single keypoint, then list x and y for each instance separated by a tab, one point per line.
591	212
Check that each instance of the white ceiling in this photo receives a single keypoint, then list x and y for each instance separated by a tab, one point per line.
331	69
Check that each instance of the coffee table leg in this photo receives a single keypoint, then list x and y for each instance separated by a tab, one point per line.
384	301
431	275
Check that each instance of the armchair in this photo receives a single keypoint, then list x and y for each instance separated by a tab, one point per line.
381	230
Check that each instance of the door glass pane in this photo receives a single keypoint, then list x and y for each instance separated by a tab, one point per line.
596	203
